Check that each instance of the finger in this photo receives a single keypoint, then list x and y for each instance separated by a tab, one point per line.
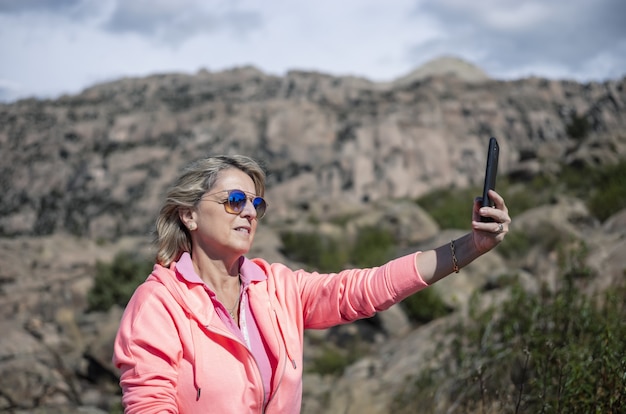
502	215
498	200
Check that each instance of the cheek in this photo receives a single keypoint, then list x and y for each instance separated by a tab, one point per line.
253	227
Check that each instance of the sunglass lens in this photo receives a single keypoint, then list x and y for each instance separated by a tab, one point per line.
236	201
260	206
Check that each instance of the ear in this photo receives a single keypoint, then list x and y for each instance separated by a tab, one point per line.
188	216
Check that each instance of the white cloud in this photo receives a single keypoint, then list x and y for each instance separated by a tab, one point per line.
49	48
173	23
545	38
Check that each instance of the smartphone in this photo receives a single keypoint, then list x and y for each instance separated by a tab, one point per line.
491	171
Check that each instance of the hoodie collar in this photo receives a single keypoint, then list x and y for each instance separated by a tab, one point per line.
248	270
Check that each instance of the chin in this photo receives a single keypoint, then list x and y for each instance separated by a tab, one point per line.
241	250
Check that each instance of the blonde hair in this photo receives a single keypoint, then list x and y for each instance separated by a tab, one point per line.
172	237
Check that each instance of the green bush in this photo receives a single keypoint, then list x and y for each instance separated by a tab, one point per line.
518	244
525	195
319	252
332	361
116	408
335	355
424	306
578	127
451	208
115	282
609	196
561	350
372	247
603	188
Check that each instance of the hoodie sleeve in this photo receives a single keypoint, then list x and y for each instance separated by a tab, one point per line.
147	354
330	299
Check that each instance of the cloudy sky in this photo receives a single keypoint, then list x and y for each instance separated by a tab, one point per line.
52	47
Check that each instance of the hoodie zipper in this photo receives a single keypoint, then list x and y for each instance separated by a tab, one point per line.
281	339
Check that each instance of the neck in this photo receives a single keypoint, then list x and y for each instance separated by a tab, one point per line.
227	287
219	274
222	277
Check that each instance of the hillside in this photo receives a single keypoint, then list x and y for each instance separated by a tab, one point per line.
82	176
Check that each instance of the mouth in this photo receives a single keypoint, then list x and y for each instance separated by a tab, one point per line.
243	229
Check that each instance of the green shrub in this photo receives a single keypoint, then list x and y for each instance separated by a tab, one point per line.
116	408
451	208
578	127
115	282
609	196
319	252
424	306
557	351
603	188
336	355
518	244
525	195
372	247
331	362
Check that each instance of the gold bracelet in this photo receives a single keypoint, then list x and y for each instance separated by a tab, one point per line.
455	264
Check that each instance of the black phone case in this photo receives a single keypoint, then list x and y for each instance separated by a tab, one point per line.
491	171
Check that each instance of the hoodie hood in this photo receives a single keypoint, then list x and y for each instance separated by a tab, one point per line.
191	297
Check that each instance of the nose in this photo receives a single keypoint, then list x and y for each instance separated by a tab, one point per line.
248	210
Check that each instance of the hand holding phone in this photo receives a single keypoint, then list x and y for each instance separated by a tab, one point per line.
491	171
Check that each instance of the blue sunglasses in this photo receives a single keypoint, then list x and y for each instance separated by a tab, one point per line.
236	202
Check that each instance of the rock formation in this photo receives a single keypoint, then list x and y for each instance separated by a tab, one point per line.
82	176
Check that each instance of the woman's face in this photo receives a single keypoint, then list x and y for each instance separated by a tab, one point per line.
223	235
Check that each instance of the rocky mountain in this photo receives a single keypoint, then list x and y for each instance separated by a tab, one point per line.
95	164
82	176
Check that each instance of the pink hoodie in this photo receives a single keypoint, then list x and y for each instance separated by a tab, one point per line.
176	355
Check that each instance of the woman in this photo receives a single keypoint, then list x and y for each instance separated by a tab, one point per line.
211	331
